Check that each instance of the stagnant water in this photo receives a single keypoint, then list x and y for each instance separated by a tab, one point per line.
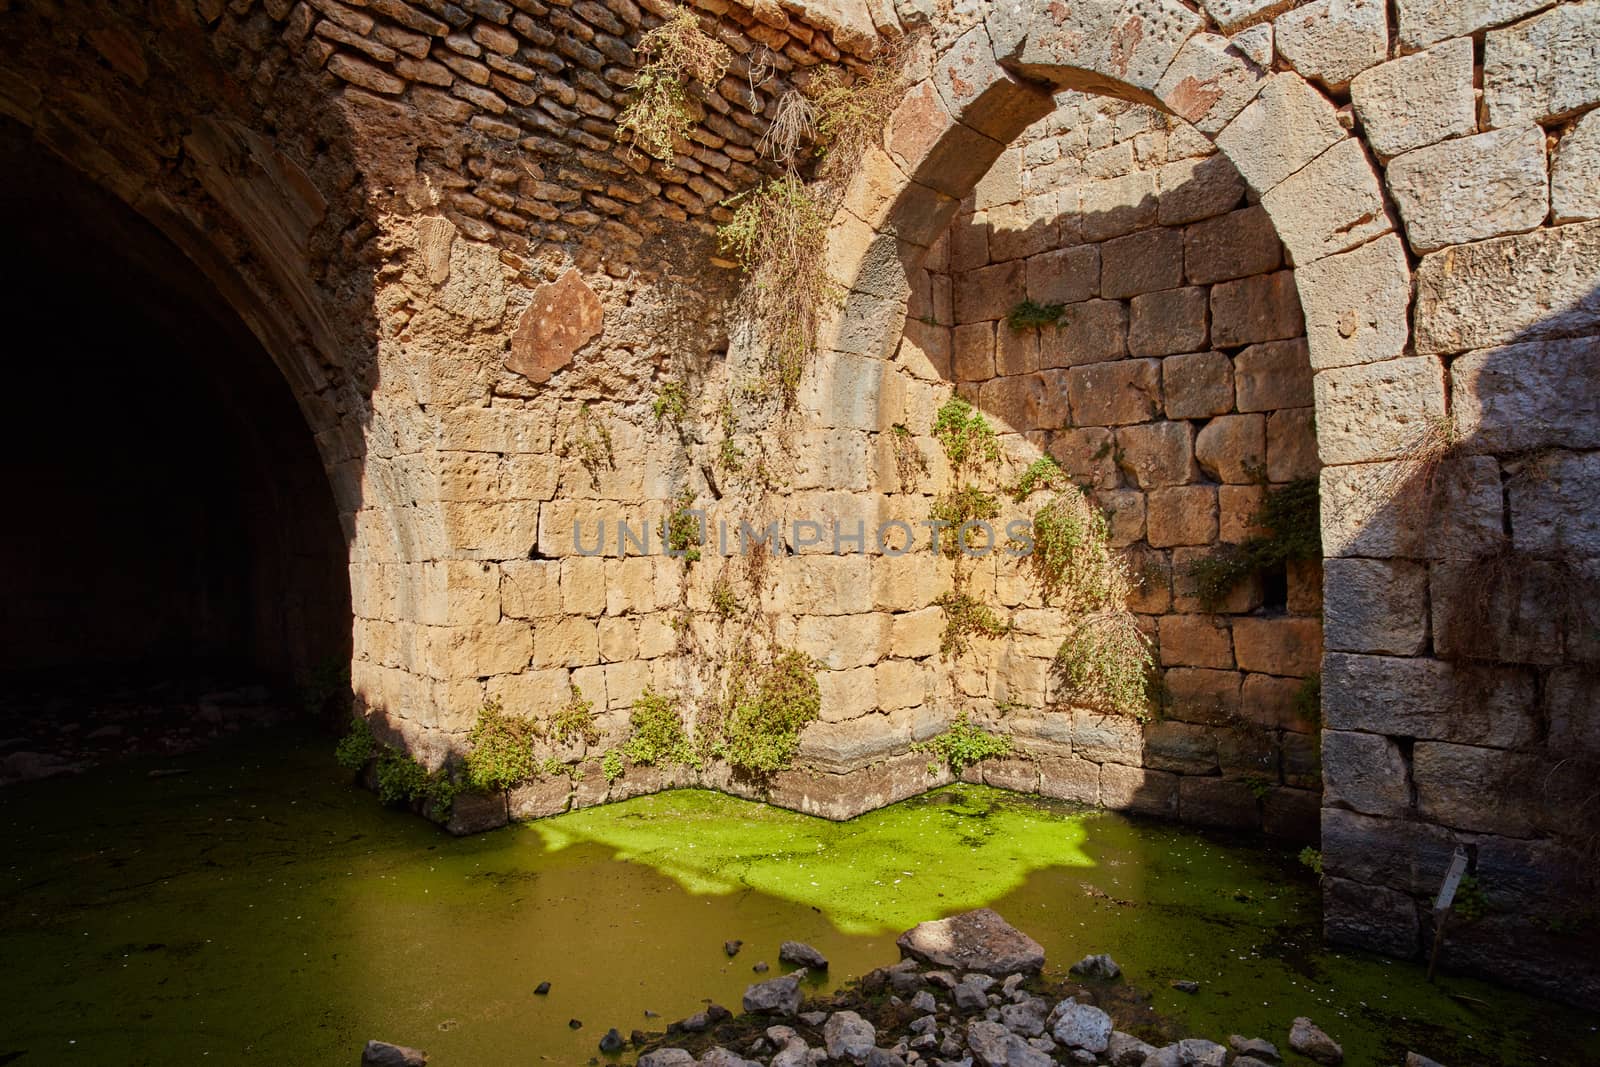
258	908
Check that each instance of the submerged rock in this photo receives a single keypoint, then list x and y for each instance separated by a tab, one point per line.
978	940
612	1042
776	996
732	948
1308	1040
383	1054
1097	966
802	955
1186	985
1258	1047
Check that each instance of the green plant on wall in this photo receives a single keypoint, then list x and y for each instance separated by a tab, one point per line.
1311	859
963	744
402	780
966	617
1030	315
1292	519
589	441
658	734
1042	473
659	112
1104	662
501	753
723	600
955	508
611	765
356	747
1072	560
909	463
681	529
964	434
766	709
1307	704
575	720
671	403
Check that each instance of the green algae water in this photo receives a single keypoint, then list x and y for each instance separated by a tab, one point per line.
260	909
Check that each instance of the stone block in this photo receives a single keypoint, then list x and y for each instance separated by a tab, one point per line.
1114	394
1125	510
1394	509
1426	22
1086	455
1406	855
1545	394
1499	609
1552	500
989	293
1284	646
972	351
1271	375
1069	778
1251	310
1287	126
566	642
1141	263
1432	699
1235	245
1198	188
1197	385
1370	917
1231	15
1332	41
540	798
1106	738
1292	814
1195	641
1471	188
1157	454
1357	304
1201	695
1292	445
1376	411
1027	228
1232	448
1570	698
1003	183
1376	606
1064	276
1092	331
1139	790
1223	802
1366	773
1532	286
1417	100
1116	206
1453	782
1181	515
1237	506
930	146
1575	174
1168	322
1274	702
1331	205
1245	596
1544	68
1209	81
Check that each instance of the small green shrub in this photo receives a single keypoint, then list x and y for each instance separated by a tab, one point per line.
723	600
1308	699
908	460
1258	785
963	744
1072	558
611	765
402	779
1042	473
502	749
675	52
658	733
965	616
671	403
681	530
964	434
1030	315
575	720
958	506
1469	904
356	747
1311	859
763	719
1292	518
1105	663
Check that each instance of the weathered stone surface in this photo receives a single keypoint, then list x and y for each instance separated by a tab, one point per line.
1232	448
1369	917
1181	747
1286	646
1194	189
383	1054
1287	126
775	996
1357	304
1543	68
1397	509
1232	14
1069	779
1225	802
1157	454
1181	515
848	1036
1575	174
1375	605
1089	332
1499	609
1402	854
1195	641
1209	81
1137	789
1263	308
1331	205
977	940
1332	41
565	315
1168	322
1198	695
1552	499
1141	263
1452	781
1081	1026
1425	22
1430	698
1417	100
1375	411
1111	394
1229	246
1065	275
1472	188
1365	772
1197	386
1309	1040
1272	375
1521	397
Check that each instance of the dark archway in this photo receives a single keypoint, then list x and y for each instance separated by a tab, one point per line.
170	519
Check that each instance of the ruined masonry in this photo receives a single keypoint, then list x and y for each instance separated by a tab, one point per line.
1289	241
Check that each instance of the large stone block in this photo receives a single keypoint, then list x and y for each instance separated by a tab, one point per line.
1374	605
1332	41
1157	454
1181	515
1455	782
1365	772
1064	276
1357	304
1198	188
1210	81
1195	641
1235	245
1331	205
1141	263
1089	332
1113	394
1472	188
1116	206
1272	375
1522	397
1544	68
1553	504
1168	322
1106	738
1232	448
1502	609
989	293
1575	175
1401	509
1092	44
1292	445
1511	289
1200	695
1417	100
1426	22
1283	646
1069	778
1263	308
1430	698
1137	789
934	149
1570	698
1276	703
1370	917
1287	126
1376	411
1235	14
1291	813
1198	385
1224	802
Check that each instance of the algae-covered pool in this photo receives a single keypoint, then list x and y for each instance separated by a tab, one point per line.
260	909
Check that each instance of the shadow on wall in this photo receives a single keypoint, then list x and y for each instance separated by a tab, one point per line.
1462	679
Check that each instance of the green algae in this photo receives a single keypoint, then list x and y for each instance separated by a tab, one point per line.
260	909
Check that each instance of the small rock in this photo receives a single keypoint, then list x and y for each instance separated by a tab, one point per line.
612	1042
542	989
776	996
978	940
1186	985
1306	1039
802	955
648	1014
970	998
794	1054
988	1042
1097	966
1026	1018
882	1057
721	1057
666	1057
383	1054
697	1023
1082	1026
813	1018
942	979
761	967
849	1037
574	1024
732	948
1125	1050
1258	1047
923	1002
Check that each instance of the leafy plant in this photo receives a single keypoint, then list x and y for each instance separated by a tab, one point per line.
400	778
1030	315
574	720
1072	558
671	403
681	530
502	749
1105	663
1311	858
1308	699
957	507
965	617
964	434
1469	904
963	744
356	747
611	765
676	52
658	733
1292	519
1042	473
849	115
763	718
1258	785
723	600
590	442
908	460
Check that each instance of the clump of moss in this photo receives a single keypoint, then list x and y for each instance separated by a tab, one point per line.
676	52
964	434
1104	662
502	749
1311	859
766	710
1293	522
357	746
963	744
658	731
611	765
965	617
575	720
1030	315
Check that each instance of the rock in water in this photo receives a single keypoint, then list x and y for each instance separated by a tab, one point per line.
1260	1048
1186	985
849	1037
802	955
1306	1039
541	989
1098	966
761	967
612	1042
1082	1026
383	1054
977	940
732	948
776	996
1125	1050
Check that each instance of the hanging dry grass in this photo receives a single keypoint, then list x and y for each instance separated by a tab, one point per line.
677	52
793	123
851	115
